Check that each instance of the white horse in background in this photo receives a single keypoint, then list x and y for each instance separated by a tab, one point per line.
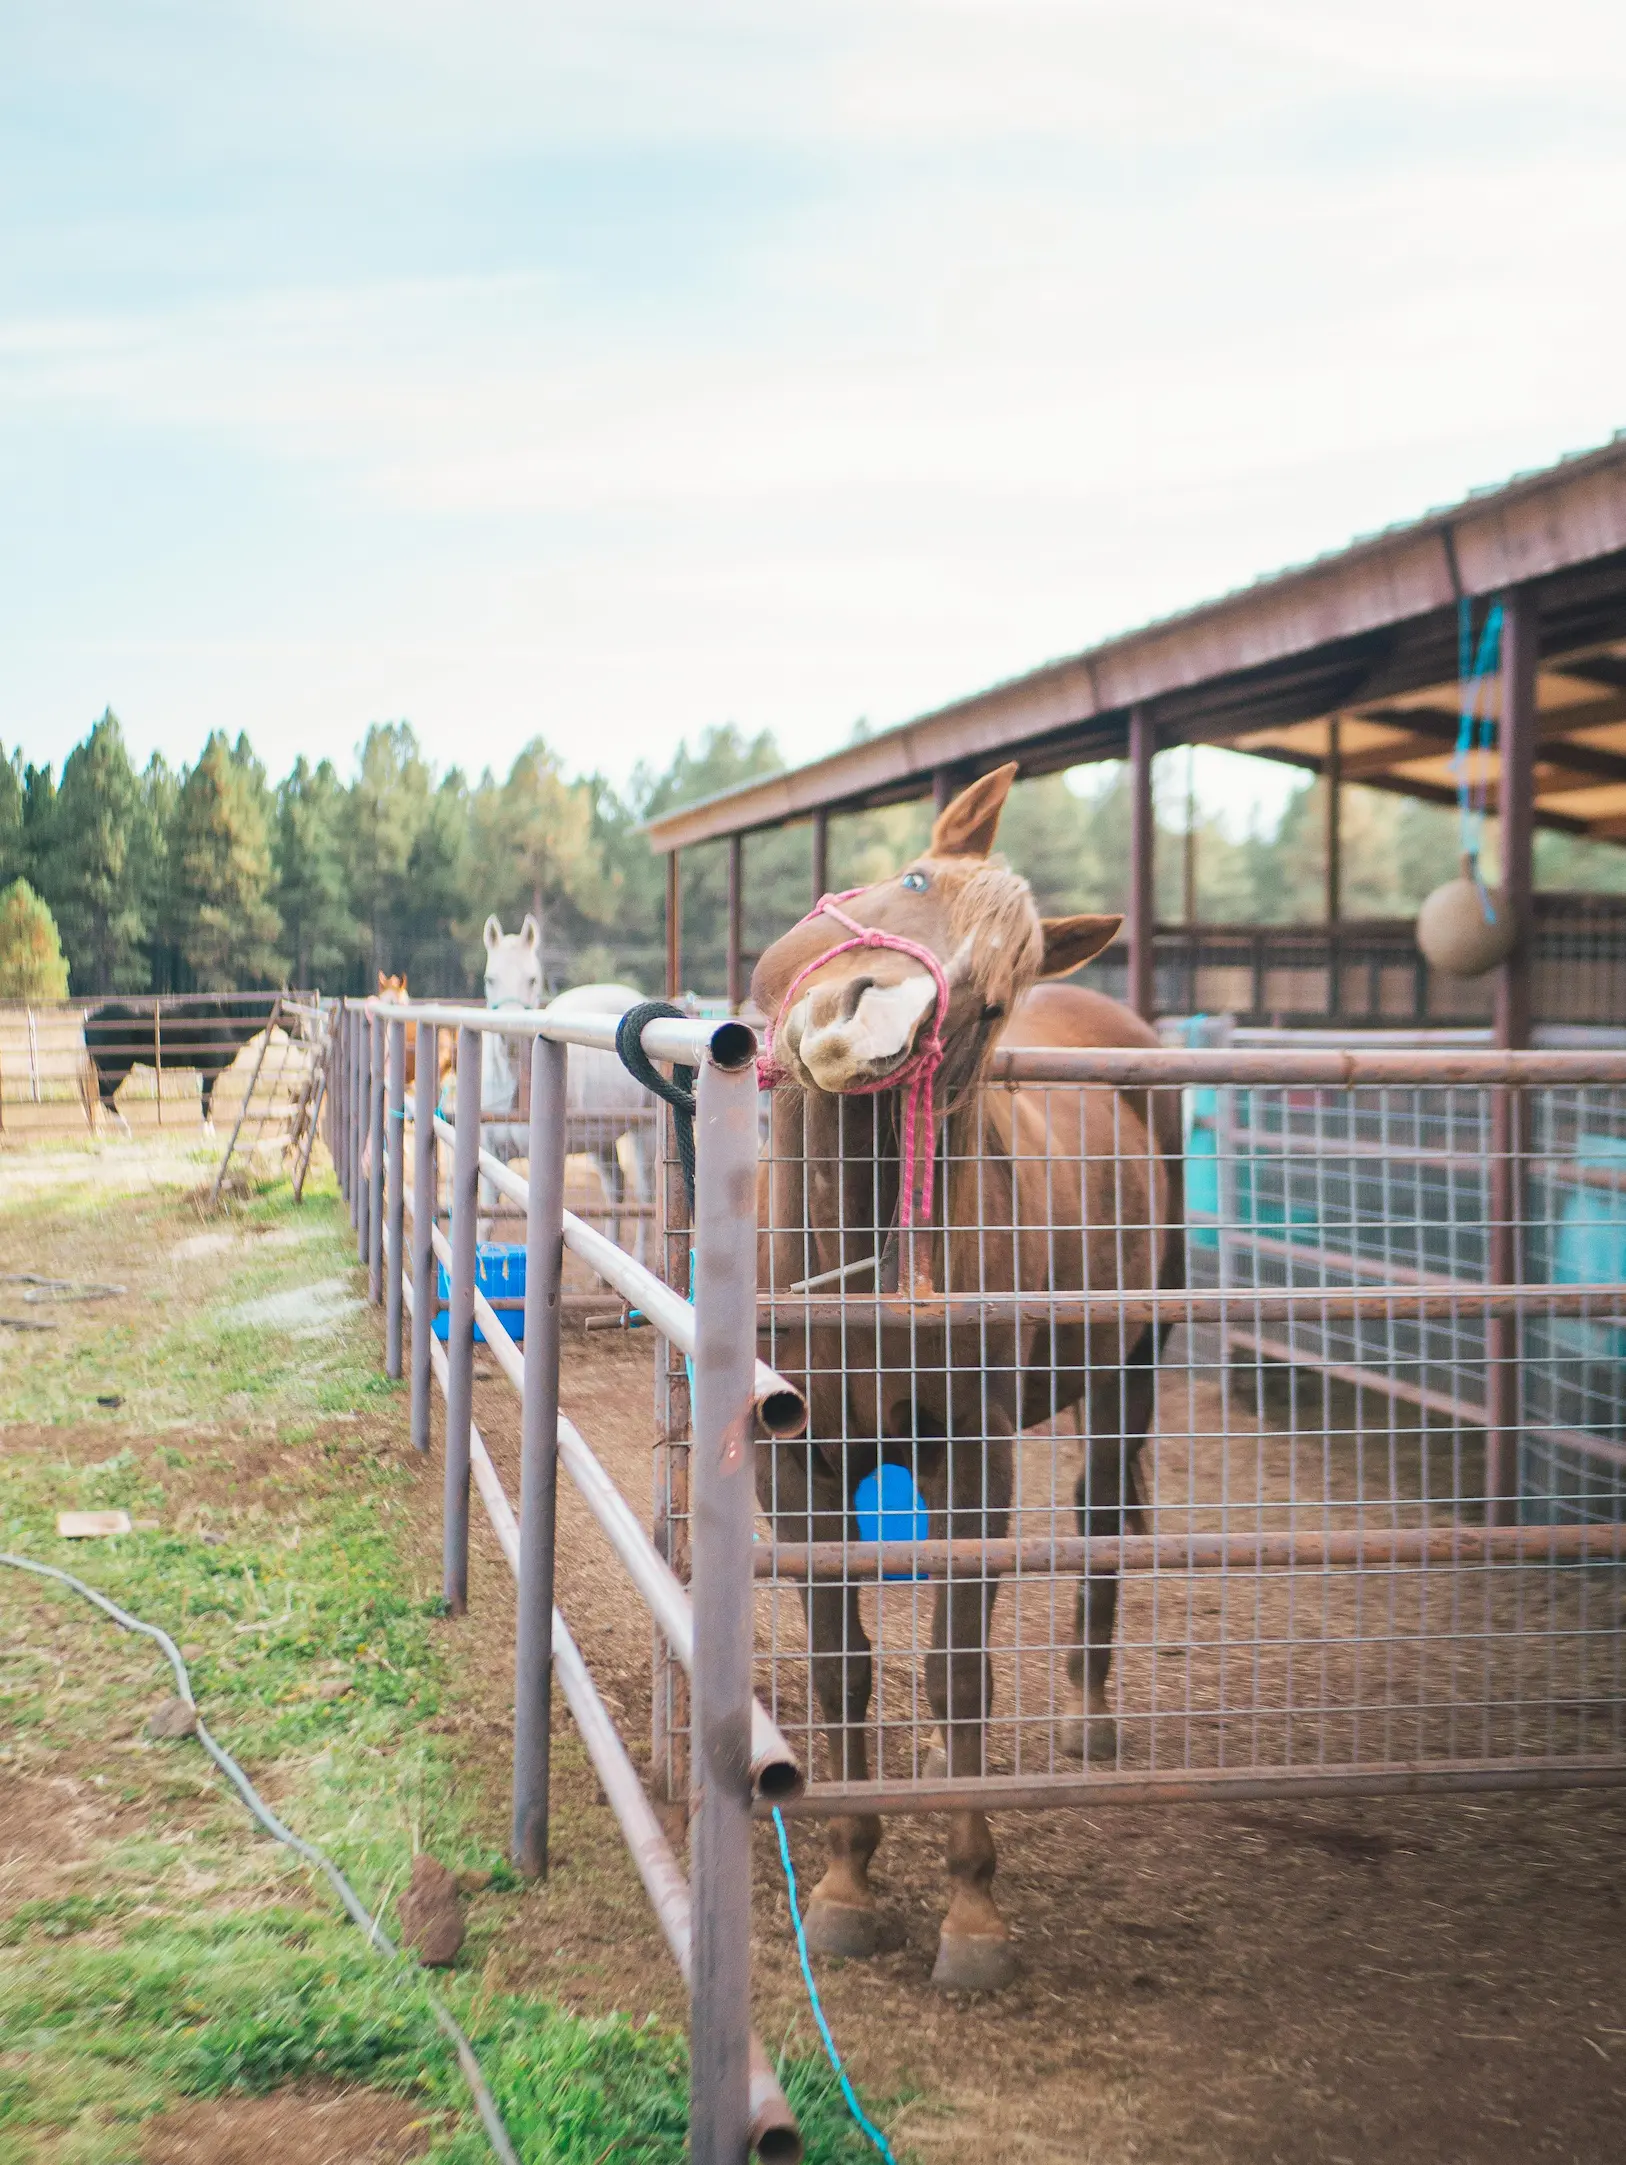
604	1106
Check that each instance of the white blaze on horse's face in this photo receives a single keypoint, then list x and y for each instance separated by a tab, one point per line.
513	965
862	1024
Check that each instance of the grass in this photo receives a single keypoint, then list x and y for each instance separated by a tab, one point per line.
185	1956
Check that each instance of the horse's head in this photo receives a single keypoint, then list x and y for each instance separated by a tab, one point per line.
393	989
513	964
959	941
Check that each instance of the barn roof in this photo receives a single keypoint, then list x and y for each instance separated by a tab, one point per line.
1365	636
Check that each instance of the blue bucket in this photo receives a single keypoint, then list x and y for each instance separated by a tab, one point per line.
499	1273
888	1507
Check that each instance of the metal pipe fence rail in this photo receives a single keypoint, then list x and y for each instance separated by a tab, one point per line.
422	1271
1334	1504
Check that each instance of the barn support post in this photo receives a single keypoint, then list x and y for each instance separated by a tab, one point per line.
736	911
723	1504
539	1458
674	925
425	1202
375	1159
460	1325
821	854
395	1197
1332	812
1515	792
942	789
1142	975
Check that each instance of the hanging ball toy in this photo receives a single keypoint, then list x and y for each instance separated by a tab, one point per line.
1460	930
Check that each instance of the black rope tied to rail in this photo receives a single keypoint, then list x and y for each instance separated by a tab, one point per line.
678	1092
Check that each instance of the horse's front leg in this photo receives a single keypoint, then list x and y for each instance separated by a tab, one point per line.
841	1916
1118	1411
973	1949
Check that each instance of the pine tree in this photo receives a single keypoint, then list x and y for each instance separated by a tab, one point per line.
32	965
388	803
312	880
535	837
220	874
93	872
12	845
431	933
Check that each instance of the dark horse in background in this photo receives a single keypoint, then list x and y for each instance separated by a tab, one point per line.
206	1035
1045	1189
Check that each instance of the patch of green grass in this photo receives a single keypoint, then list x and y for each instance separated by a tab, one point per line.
250	2003
182	1351
194	1957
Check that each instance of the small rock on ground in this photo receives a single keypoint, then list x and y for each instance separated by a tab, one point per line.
431	1921
174	1718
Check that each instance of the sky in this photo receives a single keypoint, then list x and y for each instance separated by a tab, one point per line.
609	370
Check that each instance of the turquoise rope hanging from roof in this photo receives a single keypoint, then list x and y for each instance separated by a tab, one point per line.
1476	668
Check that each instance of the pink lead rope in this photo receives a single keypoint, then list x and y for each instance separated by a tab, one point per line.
919	1071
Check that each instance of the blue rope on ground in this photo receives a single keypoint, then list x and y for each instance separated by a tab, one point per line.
848	2092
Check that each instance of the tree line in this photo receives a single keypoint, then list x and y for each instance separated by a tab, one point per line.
213	877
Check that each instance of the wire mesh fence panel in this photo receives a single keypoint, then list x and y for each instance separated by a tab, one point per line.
1159	1453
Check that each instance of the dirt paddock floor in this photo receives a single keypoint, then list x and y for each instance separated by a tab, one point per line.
1318	1981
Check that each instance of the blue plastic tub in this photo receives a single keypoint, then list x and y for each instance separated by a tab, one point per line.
499	1273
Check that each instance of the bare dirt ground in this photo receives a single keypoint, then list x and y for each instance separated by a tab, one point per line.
1214	1982
317	2123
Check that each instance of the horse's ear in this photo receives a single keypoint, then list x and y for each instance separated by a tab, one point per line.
381	981
1070	942
530	932
493	934
966	826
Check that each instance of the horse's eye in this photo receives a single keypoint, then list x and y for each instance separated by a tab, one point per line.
916	882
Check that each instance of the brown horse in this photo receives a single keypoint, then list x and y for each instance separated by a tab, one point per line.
394	991
1043	1190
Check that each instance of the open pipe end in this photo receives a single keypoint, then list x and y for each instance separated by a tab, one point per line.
733	1046
777	2144
777	1781
782	1412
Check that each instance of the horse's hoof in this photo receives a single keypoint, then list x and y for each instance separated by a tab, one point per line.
966	1962
841	1928
1088	1736
934	1767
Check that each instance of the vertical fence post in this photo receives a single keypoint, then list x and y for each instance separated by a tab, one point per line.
337	1099
364	1100
358	1023
460	1325
395	1152
341	1100
329	1108
723	1504
377	1038
425	1204
538	1458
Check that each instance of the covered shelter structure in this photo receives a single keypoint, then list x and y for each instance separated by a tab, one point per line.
1347	668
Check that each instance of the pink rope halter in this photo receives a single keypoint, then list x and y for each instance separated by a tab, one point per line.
919	1071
